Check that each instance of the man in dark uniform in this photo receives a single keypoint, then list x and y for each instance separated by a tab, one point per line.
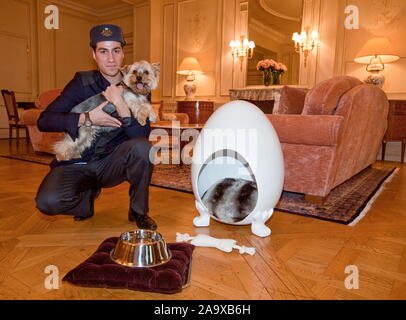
121	155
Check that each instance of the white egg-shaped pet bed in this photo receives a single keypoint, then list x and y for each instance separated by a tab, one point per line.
239	142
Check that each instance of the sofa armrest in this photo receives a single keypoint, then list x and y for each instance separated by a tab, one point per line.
307	129
31	116
183	118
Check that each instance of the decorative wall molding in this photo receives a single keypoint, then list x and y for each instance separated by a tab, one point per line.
270	33
26	40
47	43
99	13
196	29
137	3
275	13
228	23
311	18
8	37
228	20
386	14
240	28
168	50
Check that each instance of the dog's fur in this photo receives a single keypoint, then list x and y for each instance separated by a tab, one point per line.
140	78
231	200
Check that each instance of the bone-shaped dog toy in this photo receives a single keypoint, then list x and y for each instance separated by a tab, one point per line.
202	240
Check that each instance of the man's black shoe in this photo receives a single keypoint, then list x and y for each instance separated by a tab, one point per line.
93	196
143	221
80	218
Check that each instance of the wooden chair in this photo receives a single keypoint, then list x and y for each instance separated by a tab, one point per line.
14	120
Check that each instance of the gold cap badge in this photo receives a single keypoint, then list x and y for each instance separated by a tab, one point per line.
106	32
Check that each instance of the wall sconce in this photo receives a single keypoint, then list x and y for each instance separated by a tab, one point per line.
304	43
374	54
242	48
190	67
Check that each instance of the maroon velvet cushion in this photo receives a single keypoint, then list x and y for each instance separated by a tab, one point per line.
292	100
102	272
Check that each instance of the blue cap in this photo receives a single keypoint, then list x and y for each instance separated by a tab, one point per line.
106	32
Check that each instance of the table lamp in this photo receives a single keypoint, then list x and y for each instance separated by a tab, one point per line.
375	53
190	67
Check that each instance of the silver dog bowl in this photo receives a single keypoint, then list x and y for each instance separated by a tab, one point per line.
140	248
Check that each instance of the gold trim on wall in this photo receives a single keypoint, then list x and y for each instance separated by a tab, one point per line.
169	36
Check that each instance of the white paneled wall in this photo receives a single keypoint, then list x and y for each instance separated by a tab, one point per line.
202	29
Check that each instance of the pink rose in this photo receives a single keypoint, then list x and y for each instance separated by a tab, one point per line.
271	62
265	64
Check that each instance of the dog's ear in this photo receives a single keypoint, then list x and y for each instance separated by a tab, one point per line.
156	67
125	69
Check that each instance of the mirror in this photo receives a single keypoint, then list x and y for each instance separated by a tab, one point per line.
271	24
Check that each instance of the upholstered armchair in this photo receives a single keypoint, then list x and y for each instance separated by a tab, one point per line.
329	133
41	141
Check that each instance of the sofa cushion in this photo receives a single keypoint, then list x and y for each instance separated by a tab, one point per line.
292	100
324	97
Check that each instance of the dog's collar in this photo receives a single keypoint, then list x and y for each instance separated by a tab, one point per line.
127	87
124	85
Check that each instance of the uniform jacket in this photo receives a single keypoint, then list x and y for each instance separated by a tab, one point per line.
56	118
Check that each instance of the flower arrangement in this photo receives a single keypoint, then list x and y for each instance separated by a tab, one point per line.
272	65
272	70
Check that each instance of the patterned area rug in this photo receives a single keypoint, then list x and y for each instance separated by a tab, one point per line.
346	204
41	158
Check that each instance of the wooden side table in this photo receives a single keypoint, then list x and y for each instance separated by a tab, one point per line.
198	111
396	126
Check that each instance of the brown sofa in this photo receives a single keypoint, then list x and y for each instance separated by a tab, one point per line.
43	141
337	134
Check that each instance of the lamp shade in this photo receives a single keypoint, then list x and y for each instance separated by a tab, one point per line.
377	46
189	65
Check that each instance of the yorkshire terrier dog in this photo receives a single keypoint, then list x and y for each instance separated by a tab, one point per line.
138	81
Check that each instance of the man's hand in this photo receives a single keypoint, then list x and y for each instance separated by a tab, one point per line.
114	94
100	118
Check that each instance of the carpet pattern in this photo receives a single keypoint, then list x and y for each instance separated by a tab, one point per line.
343	205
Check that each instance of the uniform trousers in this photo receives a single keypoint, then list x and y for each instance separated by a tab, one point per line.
71	189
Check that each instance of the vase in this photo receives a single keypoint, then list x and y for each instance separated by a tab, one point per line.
376	78
276	78
267	78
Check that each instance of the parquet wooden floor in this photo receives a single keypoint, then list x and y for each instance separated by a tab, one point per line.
304	258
